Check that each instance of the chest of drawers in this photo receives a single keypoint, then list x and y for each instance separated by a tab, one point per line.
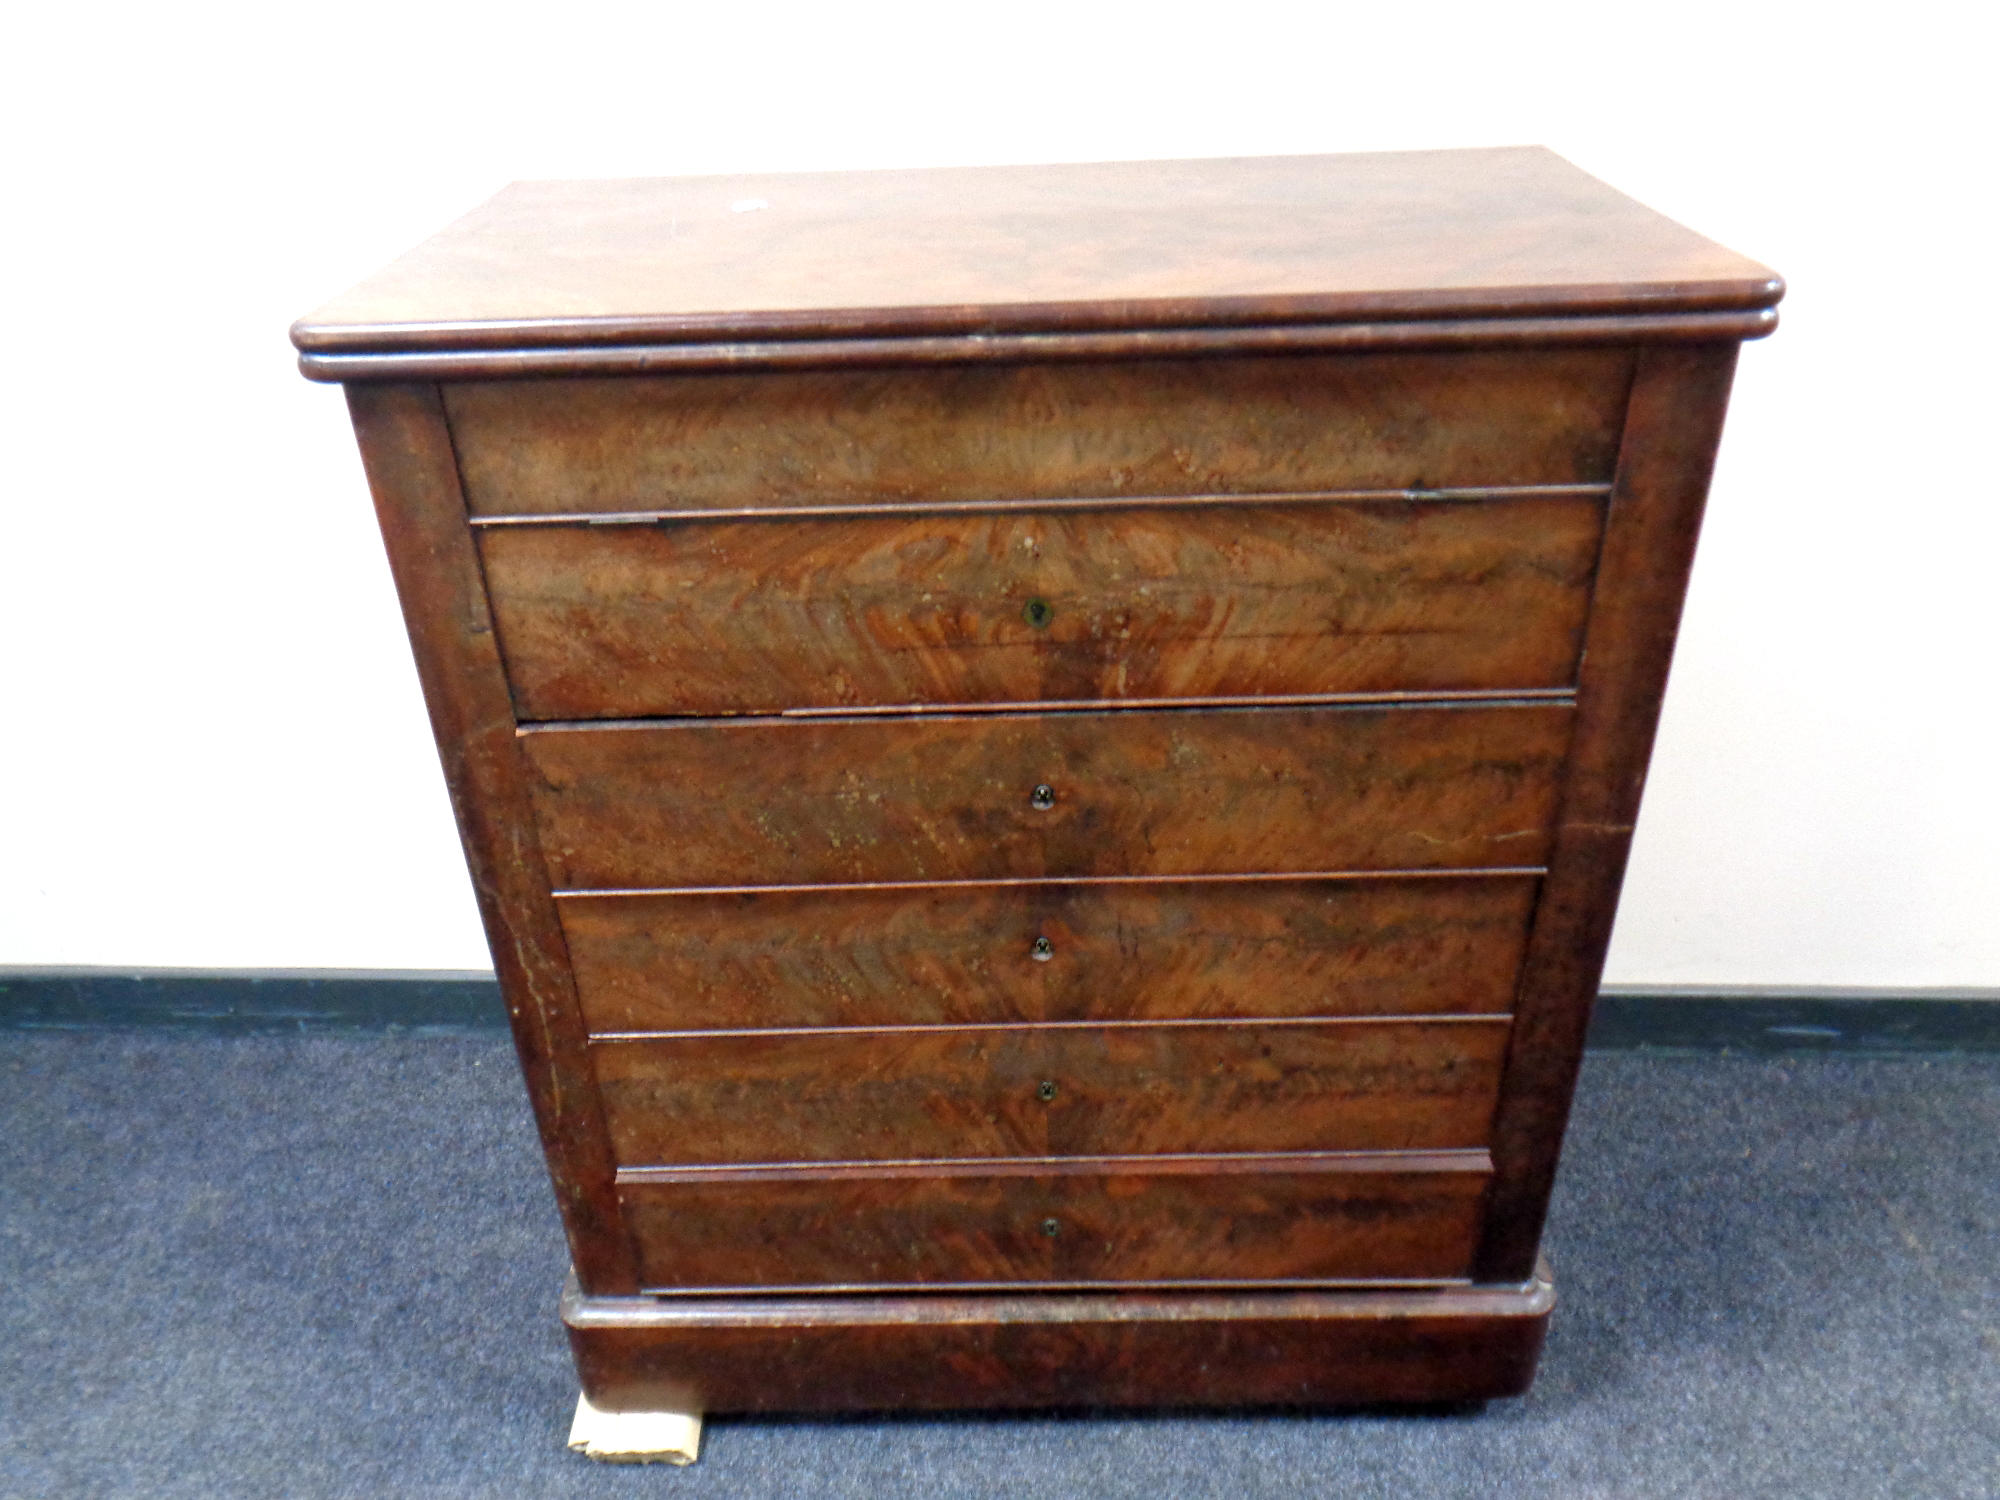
1047	754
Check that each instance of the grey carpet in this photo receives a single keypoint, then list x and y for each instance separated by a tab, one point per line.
314	1267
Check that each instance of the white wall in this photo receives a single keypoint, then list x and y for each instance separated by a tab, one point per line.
215	752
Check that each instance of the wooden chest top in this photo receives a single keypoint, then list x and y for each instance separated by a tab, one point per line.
1105	247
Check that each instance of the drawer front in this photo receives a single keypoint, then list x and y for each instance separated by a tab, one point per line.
1140	792
958	1092
836	956
1284	1219
981	432
1213	602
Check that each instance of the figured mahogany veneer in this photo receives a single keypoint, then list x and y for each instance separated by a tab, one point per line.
1047	753
1137	792
1015	432
1407	1216
1221	601
1115	950
965	1091
1513	235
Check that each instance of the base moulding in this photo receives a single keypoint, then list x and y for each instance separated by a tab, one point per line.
699	1354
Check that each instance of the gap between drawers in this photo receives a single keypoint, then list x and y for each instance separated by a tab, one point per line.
1200	1163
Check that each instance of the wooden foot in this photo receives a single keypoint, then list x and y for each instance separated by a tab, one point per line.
635	1437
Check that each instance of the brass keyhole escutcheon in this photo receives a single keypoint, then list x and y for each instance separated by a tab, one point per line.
1051	1227
1042	950
1038	613
1042	798
1045	1090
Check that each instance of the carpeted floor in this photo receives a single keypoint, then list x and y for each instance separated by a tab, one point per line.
328	1267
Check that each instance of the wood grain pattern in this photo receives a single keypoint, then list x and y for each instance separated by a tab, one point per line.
1678	403
1236	1220
1238	601
956	1092
844	956
985	250
782	801
1039	431
407	454
1175	1349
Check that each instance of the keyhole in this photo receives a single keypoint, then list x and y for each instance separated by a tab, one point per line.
1042	950
1038	613
1042	798
1051	1228
1045	1090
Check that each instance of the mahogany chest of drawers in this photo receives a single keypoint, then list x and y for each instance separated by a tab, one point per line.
1047	754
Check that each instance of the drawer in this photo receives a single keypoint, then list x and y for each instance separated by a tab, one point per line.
1392	1217
964	1092
1047	951
1217	601
1138	792
1039	431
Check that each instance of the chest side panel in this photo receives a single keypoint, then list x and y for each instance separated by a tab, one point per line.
1668	453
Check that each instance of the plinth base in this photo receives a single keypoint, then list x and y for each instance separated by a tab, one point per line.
1151	1349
